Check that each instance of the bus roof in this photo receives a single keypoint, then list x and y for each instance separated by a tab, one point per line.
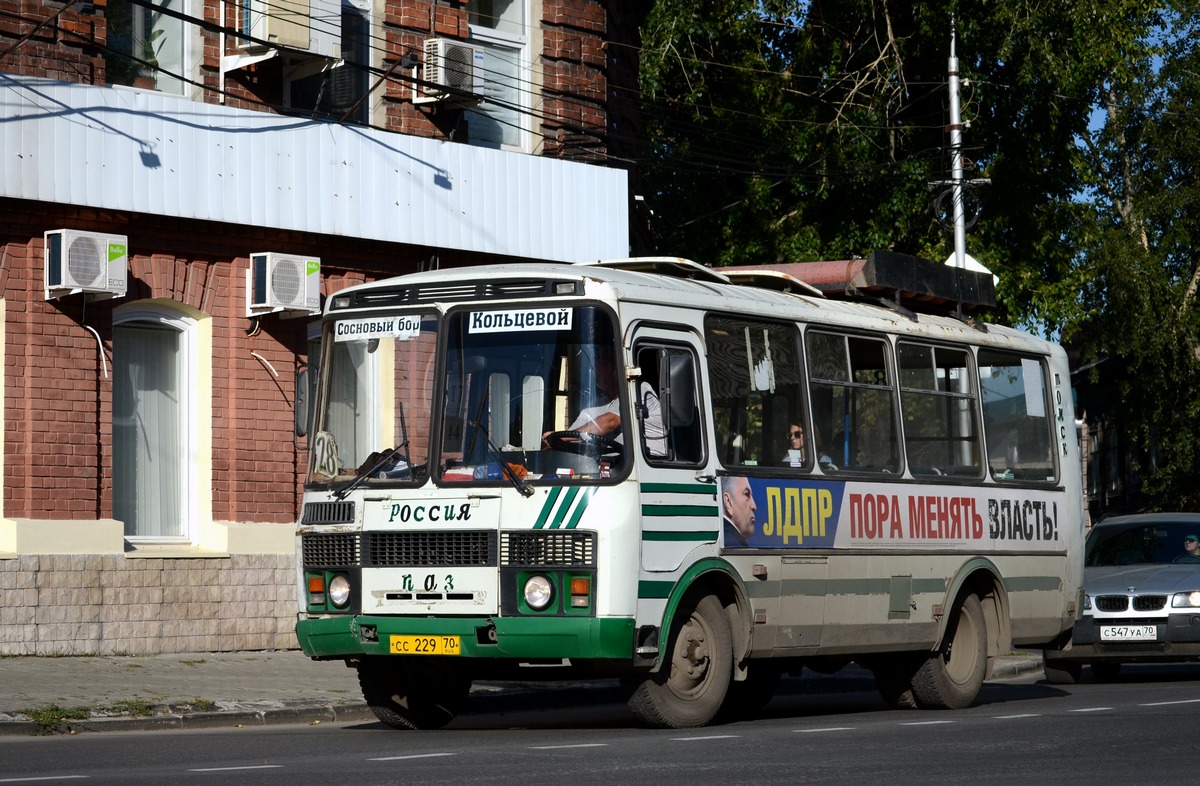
884	291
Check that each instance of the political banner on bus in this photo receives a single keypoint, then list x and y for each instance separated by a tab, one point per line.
800	514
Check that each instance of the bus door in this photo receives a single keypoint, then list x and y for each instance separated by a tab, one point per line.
677	491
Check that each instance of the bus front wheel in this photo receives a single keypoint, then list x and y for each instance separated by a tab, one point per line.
690	687
951	678
405	694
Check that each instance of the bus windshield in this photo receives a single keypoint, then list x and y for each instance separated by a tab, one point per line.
528	389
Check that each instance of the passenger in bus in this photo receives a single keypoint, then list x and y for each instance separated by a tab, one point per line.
794	457
737	510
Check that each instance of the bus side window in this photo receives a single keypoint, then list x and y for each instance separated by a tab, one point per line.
668	407
1017	423
854	402
754	370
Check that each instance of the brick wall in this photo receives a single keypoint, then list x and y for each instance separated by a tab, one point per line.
571	103
58	436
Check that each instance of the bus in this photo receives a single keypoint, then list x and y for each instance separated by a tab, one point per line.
694	480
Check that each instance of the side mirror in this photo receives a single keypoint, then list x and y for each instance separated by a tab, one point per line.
301	399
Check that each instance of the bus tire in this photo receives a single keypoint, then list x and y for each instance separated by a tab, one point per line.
950	679
690	687
407	695
1062	672
894	680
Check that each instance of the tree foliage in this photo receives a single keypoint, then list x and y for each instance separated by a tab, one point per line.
782	130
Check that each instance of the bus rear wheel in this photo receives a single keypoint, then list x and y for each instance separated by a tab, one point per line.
690	687
405	694
894	679
952	677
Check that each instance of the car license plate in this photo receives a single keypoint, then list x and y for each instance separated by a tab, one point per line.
425	645
1128	632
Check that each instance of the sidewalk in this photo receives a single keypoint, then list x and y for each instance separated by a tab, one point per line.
122	693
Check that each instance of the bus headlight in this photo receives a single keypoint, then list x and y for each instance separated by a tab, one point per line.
339	591
538	592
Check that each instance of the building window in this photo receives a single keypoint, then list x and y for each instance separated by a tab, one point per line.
501	28
341	91
146	46
153	424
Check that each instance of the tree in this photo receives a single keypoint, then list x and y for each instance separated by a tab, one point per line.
793	131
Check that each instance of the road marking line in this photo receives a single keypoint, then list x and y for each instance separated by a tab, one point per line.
414	756
712	737
828	728
560	747
43	778
1023	715
1092	709
925	723
1168	703
234	769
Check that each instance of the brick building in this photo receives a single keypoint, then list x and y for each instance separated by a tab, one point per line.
153	372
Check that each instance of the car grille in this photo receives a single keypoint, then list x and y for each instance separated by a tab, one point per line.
1115	603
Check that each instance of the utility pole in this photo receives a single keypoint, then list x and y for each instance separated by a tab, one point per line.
956	158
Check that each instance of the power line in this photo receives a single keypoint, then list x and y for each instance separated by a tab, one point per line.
716	161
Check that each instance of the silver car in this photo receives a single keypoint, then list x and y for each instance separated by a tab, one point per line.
1141	604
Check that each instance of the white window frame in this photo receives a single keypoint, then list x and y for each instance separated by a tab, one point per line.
521	45
189	469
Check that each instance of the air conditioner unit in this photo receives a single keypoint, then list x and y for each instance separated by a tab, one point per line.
96	263
456	71
312	26
283	282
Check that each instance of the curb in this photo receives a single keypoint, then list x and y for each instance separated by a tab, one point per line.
311	714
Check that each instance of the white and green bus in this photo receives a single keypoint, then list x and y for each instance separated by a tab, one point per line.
693	480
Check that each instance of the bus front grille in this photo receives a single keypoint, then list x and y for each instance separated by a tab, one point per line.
337	512
421	549
547	549
339	549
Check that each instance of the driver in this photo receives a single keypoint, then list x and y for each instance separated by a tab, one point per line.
604	420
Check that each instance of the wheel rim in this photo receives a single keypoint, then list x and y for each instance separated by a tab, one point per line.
691	659
963	650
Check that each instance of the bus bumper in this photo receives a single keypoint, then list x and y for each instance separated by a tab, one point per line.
587	638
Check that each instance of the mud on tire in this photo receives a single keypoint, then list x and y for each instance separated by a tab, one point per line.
951	678
690	687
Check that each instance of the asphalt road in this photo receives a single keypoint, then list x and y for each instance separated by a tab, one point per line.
1141	730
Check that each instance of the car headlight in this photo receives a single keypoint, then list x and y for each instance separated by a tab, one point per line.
1087	602
339	591
538	592
1186	600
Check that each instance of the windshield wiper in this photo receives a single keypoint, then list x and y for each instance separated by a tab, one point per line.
369	471
341	493
494	453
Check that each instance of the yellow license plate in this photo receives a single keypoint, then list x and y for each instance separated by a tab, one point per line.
425	645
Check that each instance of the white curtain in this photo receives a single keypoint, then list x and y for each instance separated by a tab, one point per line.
147	430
